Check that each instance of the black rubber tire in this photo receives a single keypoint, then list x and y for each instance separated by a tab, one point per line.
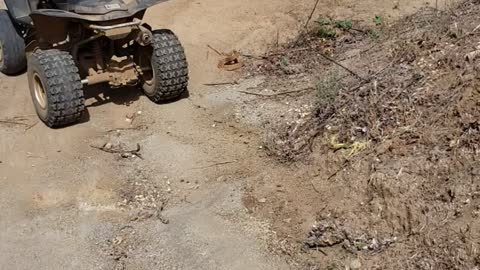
12	60
170	68
63	92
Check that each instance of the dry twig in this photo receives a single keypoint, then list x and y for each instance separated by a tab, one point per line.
106	149
214	165
344	67
277	94
215	50
221	83
307	22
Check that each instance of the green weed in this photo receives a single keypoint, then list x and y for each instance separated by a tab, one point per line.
344	24
284	61
378	20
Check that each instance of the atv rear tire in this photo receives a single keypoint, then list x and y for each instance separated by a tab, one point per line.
12	47
55	87
168	78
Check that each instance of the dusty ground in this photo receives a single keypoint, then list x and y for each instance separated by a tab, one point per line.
189	203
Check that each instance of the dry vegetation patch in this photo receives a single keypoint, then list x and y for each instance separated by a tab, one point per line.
393	140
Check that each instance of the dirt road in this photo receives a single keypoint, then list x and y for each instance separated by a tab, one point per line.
67	205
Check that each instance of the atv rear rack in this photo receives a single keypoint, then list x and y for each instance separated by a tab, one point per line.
116	26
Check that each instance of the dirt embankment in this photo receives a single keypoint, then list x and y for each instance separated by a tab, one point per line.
383	127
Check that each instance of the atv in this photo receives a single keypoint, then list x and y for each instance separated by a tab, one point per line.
67	45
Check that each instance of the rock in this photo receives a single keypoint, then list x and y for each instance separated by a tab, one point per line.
163	219
396	4
355	264
107	146
325	235
222	178
126	155
118	240
262	200
374	245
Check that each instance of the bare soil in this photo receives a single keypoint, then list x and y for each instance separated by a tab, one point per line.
379	173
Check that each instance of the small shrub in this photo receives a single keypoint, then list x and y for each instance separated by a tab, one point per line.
378	20
328	88
324	28
322	21
284	61
344	24
326	32
327	28
373	34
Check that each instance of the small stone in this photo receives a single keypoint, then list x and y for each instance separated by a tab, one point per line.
262	200
118	240
374	245
396	4
222	178
355	264
107	146
163	219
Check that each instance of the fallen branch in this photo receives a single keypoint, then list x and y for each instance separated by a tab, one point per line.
12	122
311	14
321	54
344	67
31	126
214	165
307	22
283	53
468	34
344	165
253	56
277	94
127	128
221	83
123	153
215	50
